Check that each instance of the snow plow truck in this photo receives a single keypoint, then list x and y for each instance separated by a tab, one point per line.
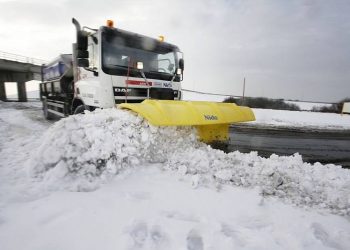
110	67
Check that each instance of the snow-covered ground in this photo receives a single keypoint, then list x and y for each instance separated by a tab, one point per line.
108	180
35	94
301	119
284	118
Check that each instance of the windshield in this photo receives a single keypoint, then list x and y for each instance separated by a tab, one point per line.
121	51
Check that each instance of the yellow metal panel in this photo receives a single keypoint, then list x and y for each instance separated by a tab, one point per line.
211	119
210	133
186	113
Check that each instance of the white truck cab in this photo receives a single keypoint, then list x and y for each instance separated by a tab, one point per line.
110	66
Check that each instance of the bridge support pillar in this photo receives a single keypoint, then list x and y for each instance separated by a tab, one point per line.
2	91
22	92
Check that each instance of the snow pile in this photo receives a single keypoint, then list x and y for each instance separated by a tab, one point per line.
288	177
80	152
84	150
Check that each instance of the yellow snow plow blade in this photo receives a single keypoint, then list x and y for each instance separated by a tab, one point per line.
211	119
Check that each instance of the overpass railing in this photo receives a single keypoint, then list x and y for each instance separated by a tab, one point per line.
20	58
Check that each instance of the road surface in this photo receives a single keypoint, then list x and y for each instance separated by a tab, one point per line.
323	146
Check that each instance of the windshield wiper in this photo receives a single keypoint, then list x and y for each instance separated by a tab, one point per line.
117	65
154	71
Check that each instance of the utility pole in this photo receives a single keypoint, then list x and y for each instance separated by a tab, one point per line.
243	90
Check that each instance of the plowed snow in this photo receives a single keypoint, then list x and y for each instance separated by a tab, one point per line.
81	152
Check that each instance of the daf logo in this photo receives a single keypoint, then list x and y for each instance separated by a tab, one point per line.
210	117
122	90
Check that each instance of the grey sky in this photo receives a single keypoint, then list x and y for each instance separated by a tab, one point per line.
285	48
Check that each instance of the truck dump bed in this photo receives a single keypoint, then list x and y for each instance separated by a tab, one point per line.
62	65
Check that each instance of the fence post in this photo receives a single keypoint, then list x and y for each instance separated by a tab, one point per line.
346	108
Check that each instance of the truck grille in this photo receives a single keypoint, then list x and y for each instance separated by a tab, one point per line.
140	94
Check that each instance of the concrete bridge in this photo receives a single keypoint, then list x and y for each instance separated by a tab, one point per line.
19	69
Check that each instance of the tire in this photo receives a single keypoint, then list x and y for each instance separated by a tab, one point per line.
47	114
80	109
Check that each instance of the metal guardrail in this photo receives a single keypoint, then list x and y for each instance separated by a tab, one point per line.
20	58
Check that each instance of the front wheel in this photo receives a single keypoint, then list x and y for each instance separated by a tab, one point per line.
80	109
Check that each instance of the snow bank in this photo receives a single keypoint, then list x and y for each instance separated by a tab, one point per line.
286	177
83	151
304	119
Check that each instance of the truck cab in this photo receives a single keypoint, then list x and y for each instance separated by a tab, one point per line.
110	66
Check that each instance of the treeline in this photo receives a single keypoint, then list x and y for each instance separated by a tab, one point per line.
263	103
334	108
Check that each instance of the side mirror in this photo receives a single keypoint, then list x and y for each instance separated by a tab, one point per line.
82	40
82	54
83	62
181	64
